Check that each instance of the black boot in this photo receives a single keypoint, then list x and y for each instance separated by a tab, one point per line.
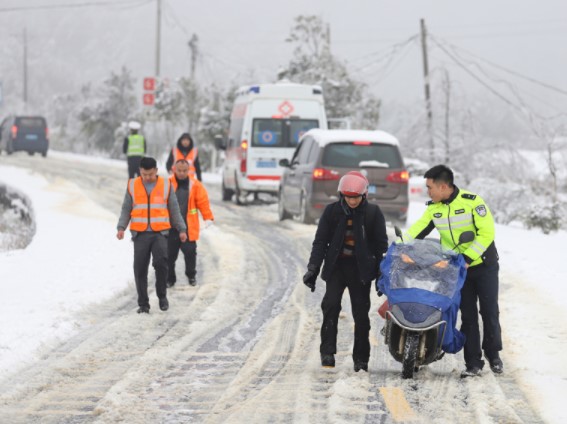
360	365
327	360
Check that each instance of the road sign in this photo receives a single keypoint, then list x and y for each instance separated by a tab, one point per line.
149	99
149	84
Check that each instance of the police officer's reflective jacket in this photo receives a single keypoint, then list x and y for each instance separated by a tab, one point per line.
462	211
136	145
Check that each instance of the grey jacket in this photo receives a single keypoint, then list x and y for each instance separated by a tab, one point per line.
175	217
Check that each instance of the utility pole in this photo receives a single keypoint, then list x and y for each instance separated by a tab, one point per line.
447	120
158	36
25	69
194	50
427	90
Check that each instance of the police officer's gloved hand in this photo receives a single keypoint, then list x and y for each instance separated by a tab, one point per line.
310	278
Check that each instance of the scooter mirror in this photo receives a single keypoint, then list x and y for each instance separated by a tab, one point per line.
466	237
397	231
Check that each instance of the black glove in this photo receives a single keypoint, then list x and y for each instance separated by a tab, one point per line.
377	289
309	279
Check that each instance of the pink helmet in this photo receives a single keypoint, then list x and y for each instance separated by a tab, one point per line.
353	184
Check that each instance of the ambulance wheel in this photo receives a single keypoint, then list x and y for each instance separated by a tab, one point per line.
226	193
237	193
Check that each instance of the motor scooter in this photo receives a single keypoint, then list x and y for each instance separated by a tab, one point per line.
422	281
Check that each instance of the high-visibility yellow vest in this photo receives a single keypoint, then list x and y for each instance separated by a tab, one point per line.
464	211
135	145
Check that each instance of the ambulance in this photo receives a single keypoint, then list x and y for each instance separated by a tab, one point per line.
266	123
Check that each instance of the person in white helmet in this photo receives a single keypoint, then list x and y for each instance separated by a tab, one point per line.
134	148
350	241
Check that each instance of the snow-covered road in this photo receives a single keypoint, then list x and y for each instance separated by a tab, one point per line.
240	347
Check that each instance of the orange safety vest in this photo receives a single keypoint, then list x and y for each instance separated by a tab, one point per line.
198	201
190	158
149	209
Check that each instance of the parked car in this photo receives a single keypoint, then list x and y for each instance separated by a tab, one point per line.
27	133
310	177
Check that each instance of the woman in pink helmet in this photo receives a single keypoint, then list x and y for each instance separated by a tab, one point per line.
349	243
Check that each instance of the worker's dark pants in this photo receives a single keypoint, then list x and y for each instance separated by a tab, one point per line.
189	249
345	274
482	284
134	166
150	244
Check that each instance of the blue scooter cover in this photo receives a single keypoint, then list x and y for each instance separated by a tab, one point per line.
425	279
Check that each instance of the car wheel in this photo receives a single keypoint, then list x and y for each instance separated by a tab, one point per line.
226	193
31	153
44	153
283	214
237	193
9	148
303	213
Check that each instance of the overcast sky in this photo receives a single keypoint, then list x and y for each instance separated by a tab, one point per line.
244	40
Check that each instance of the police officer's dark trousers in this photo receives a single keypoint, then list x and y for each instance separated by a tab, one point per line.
345	274
189	249
150	245
134	166
482	284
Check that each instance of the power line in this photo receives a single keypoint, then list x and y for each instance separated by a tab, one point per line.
134	3
522	108
530	79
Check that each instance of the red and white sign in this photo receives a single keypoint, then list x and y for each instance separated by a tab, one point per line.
286	108
149	99
149	84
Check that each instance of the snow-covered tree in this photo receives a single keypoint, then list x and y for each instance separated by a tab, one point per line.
313	63
103	113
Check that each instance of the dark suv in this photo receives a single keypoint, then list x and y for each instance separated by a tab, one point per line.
27	133
311	177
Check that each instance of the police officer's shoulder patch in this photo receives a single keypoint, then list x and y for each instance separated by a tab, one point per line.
468	196
480	210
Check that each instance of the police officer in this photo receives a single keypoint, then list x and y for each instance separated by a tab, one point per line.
351	239
453	211
134	148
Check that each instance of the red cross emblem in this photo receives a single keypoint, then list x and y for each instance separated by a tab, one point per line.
286	108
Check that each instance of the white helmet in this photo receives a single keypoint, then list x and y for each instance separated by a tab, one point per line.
134	125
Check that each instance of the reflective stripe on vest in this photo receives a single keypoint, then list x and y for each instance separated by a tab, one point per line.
149	209
190	158
135	145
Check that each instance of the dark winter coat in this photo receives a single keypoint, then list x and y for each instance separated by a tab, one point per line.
184	150
370	238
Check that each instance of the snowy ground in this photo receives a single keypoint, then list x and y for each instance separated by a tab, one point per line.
265	346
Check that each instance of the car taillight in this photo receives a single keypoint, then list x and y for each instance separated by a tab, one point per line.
46	133
244	147
325	174
14	131
401	177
